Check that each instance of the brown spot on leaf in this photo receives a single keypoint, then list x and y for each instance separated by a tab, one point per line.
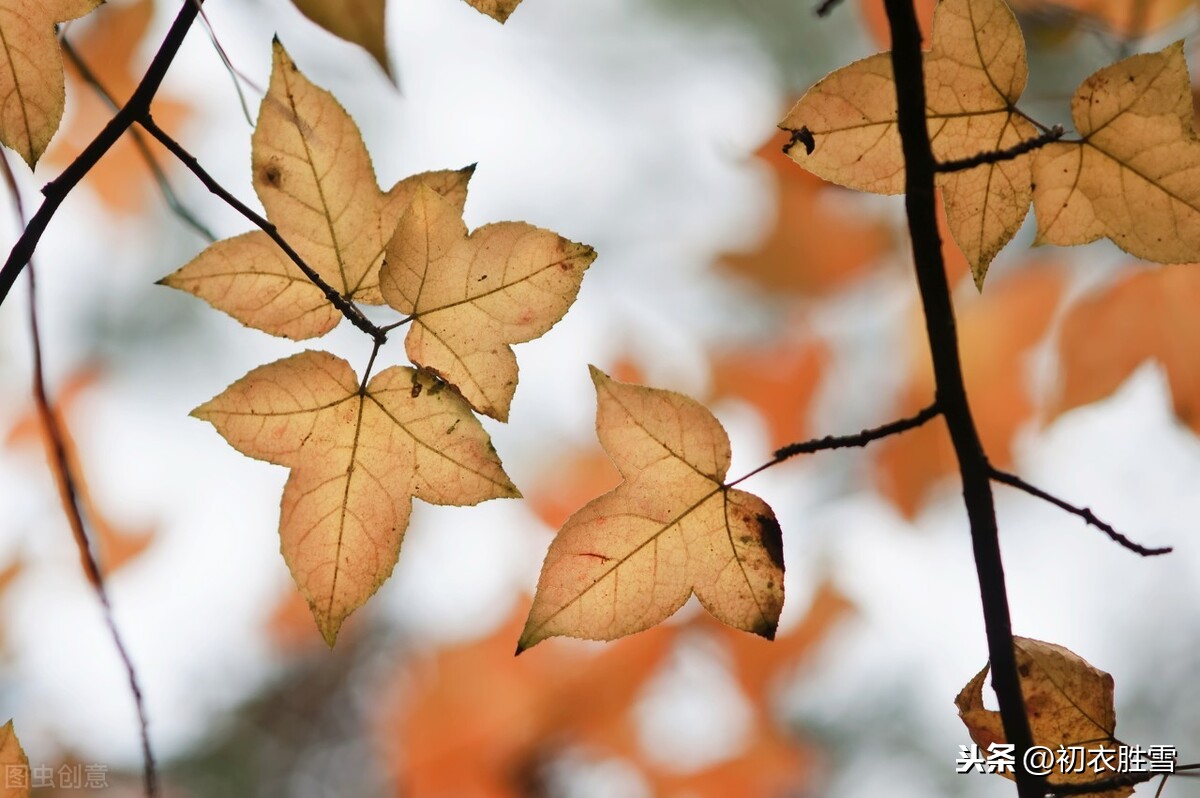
802	136
772	538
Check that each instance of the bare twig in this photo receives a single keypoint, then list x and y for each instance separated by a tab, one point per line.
60	466
160	177
858	439
1007	154
57	190
826	7
347	308
234	73
1083	512
951	394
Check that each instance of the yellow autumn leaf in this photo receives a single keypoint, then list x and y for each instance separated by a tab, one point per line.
67	10
630	558
499	10
250	278
357	457
470	296
1132	177
1069	703
14	764
314	177
975	70
359	21
32	84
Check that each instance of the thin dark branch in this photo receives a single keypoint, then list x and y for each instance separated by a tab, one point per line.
826	7
56	191
858	439
1007	154
941	331
1083	512
234	73
60	466
347	308
160	177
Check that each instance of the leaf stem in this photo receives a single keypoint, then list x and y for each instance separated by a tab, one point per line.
1085	513
362	386
56	191
858	439
344	305
60	465
951	392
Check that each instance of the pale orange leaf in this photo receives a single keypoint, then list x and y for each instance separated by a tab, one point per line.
32	86
14	764
632	557
357	459
975	71
1069	703
1130	18
815	246
471	296
499	10
1132	176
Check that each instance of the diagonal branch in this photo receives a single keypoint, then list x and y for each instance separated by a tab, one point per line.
857	440
56	191
940	328
1085	513
347	308
1007	154
60	466
160	177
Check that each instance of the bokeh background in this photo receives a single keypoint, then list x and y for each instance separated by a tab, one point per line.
646	129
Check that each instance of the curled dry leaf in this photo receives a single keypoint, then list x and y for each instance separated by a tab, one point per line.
1069	703
470	296
499	10
359	21
1146	315
630	558
315	179
358	456
1132	178
14	763
32	84
975	71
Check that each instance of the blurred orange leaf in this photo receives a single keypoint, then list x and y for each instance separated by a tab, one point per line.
1123	17
996	332
1147	314
815	246
780	380
115	546
108	46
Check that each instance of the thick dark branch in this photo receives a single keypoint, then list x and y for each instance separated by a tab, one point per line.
1083	512
1007	154
347	308
139	141
57	190
64	476
858	439
941	331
